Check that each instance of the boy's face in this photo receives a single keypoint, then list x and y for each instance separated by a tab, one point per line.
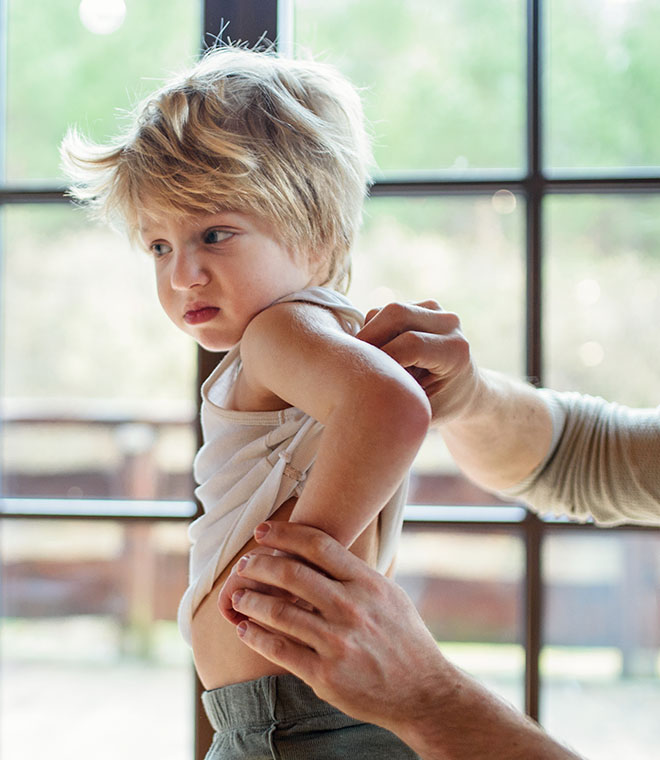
215	272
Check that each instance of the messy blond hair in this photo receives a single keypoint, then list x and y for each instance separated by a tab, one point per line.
246	131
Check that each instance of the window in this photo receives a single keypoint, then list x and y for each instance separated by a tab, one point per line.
519	176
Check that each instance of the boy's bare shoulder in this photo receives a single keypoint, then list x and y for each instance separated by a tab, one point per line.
292	320
287	349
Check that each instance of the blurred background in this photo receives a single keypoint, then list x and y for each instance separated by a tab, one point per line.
99	391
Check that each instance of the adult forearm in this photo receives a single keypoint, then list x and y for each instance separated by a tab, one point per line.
502	434
467	722
605	467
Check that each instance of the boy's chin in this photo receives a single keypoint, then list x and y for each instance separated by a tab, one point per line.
213	343
213	347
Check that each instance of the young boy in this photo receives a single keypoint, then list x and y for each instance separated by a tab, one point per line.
245	179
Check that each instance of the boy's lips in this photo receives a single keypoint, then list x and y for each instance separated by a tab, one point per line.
199	314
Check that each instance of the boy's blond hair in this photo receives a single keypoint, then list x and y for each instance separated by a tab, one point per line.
245	131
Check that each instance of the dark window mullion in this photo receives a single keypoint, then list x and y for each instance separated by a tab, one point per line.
533	527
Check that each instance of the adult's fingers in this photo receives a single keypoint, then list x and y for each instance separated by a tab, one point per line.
278	615
438	353
300	581
430	303
235	582
383	324
315	547
283	651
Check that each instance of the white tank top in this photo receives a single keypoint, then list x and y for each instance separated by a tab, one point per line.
252	462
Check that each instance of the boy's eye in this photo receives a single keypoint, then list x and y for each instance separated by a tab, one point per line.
160	249
216	236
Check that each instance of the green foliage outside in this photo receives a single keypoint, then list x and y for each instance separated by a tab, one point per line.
443	81
60	74
602	64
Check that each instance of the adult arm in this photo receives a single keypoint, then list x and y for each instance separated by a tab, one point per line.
363	647
561	452
605	464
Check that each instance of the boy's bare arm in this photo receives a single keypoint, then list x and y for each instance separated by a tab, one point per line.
375	415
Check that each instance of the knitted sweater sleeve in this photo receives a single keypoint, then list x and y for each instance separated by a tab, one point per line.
604	463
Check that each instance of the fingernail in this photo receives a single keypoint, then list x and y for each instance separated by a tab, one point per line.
261	530
242	562
241	628
237	596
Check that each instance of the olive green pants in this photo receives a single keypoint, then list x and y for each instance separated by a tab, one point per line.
280	718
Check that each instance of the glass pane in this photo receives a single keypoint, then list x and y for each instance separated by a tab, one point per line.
92	662
603	296
81	63
601	661
443	82
602	62
98	385
467	253
467	587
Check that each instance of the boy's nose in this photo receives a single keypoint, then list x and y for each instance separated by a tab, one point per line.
188	270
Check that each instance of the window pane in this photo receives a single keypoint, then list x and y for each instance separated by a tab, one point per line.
92	662
467	586
600	664
98	385
61	72
603	296
467	253
444	82
602	62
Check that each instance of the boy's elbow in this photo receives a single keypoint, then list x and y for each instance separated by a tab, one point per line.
418	412
409	412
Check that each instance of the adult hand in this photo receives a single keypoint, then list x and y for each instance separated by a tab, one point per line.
428	341
348	643
362	646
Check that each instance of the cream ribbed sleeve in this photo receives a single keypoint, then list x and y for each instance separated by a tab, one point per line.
604	463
